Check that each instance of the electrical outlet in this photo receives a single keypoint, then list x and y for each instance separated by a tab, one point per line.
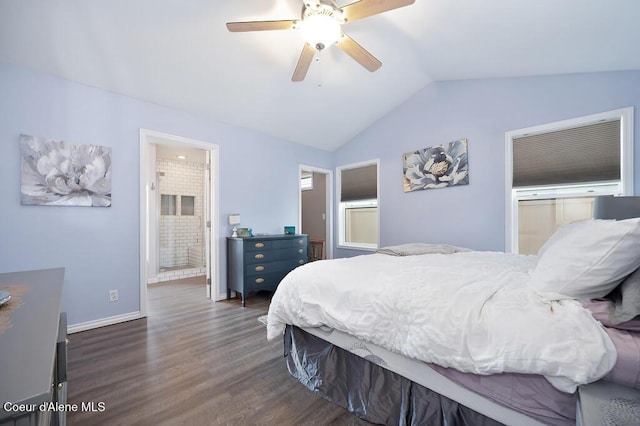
113	295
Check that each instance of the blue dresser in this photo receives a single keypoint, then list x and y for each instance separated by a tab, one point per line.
260	263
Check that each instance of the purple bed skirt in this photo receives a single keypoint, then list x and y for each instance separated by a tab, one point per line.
368	390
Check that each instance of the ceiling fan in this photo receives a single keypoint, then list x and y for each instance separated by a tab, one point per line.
321	26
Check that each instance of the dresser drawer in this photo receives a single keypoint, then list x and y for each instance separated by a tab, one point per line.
274	255
269	267
257	245
294	242
266	245
264	281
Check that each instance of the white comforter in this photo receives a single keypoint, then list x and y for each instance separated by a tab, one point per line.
469	311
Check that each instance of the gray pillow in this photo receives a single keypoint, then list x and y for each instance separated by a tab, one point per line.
626	299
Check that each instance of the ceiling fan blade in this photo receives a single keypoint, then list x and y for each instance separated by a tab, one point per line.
260	25
358	53
363	8
304	62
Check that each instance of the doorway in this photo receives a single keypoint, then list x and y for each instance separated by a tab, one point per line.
316	210
178	204
179	191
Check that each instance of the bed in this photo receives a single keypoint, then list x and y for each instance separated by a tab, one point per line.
437	334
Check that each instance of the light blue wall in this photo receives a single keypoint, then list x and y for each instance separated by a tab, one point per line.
99	246
481	111
258	174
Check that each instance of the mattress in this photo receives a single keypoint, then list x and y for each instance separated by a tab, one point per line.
512	399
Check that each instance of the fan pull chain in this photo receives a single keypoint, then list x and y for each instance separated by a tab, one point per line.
319	68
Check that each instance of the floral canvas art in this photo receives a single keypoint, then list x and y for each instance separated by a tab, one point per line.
57	173
436	167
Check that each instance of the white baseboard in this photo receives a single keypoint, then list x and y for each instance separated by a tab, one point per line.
83	326
223	296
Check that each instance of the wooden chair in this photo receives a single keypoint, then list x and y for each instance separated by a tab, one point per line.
316	249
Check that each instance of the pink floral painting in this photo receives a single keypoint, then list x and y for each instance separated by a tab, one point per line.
57	173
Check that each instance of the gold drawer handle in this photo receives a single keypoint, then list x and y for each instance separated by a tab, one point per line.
259	280
259	256
259	268
300	241
258	245
300	261
300	251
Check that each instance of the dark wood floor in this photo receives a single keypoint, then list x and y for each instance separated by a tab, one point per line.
191	362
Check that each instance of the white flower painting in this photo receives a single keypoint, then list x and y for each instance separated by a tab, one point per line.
56	173
436	167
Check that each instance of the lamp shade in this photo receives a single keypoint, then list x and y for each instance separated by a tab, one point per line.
619	208
234	219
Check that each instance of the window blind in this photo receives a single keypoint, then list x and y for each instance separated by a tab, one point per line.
360	183
588	153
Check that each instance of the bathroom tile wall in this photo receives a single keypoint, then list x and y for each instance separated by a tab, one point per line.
179	232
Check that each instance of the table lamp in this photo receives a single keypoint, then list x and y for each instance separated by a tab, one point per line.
234	219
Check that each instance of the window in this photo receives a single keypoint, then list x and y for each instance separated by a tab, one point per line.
167	205
187	204
306	180
358	220
554	172
361	222
538	219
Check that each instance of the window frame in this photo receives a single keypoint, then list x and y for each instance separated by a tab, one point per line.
512	195
342	206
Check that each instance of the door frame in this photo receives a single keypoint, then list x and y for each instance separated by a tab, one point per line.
329	204
151	137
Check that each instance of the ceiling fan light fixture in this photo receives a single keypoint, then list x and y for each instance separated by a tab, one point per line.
321	26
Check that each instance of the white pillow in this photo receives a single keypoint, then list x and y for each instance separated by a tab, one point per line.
587	259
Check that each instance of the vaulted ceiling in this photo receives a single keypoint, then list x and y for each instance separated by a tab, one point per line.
179	54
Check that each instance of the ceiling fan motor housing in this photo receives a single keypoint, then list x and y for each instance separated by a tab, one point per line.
316	3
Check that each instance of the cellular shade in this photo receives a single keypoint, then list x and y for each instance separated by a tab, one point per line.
588	153
359	183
